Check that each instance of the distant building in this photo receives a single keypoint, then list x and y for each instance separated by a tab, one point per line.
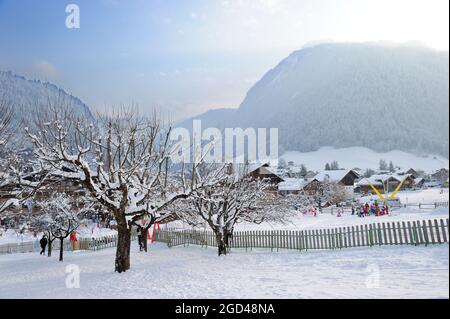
413	172
385	182
294	186
346	178
441	175
264	171
419	183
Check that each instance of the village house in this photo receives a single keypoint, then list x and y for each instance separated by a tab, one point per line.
384	183
440	176
345	178
264	171
295	186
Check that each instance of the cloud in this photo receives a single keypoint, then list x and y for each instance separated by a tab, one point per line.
46	69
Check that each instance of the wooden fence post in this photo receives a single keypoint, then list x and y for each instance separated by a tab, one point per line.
438	236
444	234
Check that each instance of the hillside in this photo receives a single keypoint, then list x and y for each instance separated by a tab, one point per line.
29	97
363	158
384	97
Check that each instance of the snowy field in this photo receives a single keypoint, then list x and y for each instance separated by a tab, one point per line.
426	196
194	272
329	221
364	158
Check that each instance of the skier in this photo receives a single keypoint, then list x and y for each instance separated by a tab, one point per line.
43	243
353	210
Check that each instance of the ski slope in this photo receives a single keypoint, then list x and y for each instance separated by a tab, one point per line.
363	158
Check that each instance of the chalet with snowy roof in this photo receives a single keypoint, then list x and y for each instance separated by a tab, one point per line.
419	183
384	182
440	175
264	171
346	178
294	186
412	172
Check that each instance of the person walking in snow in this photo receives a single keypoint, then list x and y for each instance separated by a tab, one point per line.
139	237
43	242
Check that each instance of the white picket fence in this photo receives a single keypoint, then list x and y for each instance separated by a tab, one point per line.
29	247
426	232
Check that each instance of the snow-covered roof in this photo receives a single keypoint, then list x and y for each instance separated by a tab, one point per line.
264	169
379	179
294	184
332	176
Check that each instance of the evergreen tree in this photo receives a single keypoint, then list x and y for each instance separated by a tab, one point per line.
369	172
391	167
334	166
383	165
303	170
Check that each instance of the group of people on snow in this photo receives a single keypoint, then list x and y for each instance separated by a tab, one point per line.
374	209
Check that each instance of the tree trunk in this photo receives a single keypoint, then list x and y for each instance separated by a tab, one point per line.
221	244
49	248
61	248
123	249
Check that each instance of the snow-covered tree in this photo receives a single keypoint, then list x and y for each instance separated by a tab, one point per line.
122	160
282	164
334	166
383	165
369	172
303	170
391	167
60	216
237	198
301	202
6	128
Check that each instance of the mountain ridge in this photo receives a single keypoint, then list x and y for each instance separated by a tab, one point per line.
382	96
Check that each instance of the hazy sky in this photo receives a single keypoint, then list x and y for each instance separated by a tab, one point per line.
192	55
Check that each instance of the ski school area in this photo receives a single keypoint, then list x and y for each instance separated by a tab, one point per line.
311	256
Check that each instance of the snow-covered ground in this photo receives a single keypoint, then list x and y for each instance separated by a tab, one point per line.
194	272
329	221
326	220
363	158
425	196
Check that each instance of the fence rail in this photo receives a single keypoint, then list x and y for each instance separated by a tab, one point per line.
81	244
426	232
428	205
348	209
